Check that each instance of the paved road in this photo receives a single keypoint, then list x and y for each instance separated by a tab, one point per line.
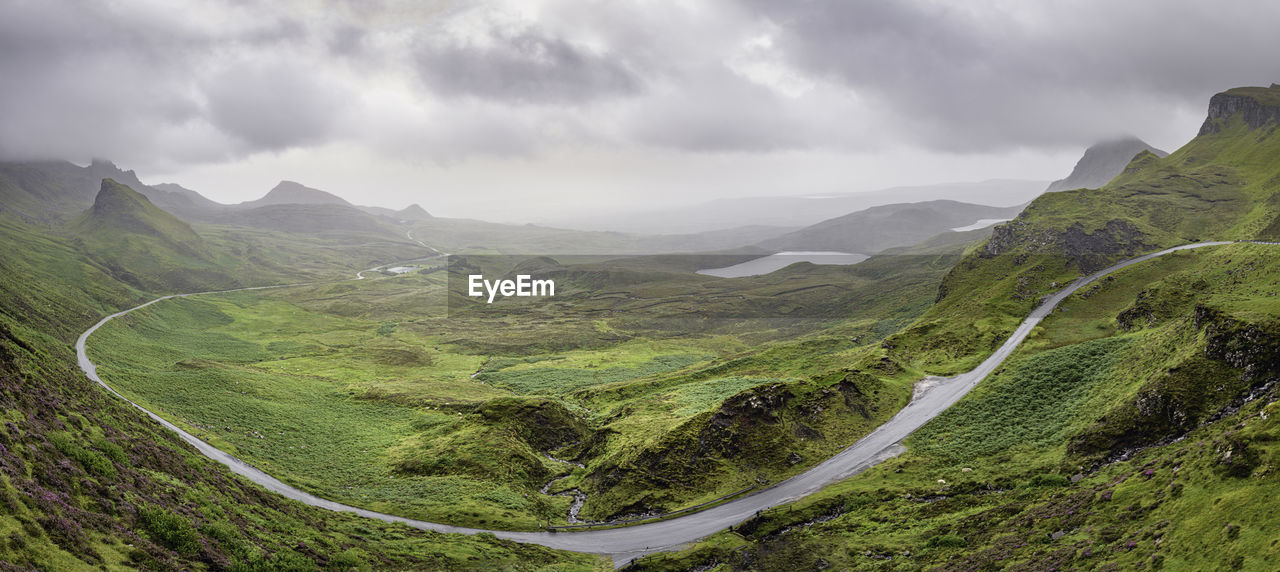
932	396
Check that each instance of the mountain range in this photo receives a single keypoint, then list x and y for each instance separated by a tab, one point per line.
1135	428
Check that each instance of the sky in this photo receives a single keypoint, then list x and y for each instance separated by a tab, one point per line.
530	110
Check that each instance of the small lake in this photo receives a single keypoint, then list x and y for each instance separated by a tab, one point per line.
984	223
767	264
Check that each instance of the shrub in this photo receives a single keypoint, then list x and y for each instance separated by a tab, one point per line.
92	462
170	530
111	450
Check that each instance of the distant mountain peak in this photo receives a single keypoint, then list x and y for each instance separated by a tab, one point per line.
292	192
1102	161
414	212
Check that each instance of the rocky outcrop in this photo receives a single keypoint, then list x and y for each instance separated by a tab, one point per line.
1238	360
1088	251
1252	348
765	429
543	423
1257	106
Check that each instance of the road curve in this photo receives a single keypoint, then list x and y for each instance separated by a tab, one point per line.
932	396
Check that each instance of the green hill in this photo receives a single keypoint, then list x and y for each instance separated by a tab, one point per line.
88	482
118	210
1222	185
144	246
293	193
1134	428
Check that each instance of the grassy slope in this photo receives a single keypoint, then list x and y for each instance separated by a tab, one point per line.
1098	394
303	381
994	482
1223	186
89	482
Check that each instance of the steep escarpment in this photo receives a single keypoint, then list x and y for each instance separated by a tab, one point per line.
1257	107
146	247
1085	250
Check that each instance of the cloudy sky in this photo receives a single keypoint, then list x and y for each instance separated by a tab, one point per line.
529	109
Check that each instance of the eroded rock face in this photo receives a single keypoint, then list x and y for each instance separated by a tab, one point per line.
1089	251
1004	237
1251	348
1254	112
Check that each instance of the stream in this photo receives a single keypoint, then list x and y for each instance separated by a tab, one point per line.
579	497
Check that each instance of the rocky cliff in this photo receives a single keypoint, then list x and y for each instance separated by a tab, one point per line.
1257	106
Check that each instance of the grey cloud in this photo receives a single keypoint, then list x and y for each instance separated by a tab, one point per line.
274	106
143	82
128	82
977	78
527	66
348	40
718	111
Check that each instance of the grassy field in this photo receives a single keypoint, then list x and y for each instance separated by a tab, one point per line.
373	393
87	482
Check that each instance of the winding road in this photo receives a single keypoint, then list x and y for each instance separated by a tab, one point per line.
932	396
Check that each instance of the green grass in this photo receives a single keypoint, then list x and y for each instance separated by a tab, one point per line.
695	397
90	483
552	380
994	482
366	393
1030	406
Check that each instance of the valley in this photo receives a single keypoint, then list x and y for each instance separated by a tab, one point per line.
369	393
930	398
296	382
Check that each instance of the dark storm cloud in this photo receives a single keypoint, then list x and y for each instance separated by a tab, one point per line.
968	77
524	66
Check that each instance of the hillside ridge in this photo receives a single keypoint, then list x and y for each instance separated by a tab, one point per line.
1102	161
1257	106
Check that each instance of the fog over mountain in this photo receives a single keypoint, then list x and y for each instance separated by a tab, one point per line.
1102	162
487	109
